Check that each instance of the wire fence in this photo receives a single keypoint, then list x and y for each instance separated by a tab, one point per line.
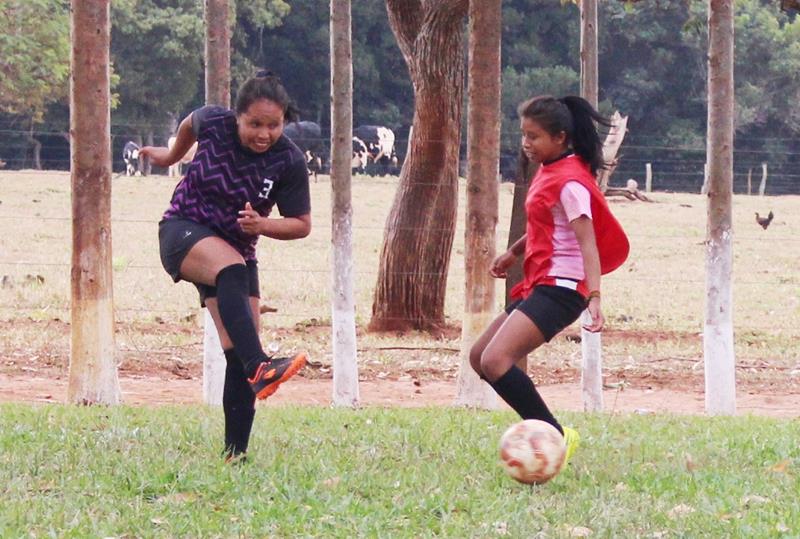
674	167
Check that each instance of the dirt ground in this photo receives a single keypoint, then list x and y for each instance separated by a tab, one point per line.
153	391
34	369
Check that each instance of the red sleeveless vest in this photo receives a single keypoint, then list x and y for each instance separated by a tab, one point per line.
543	194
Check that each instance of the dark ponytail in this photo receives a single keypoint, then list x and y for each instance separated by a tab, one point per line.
266	85
574	116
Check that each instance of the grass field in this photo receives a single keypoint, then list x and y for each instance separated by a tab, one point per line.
122	472
654	304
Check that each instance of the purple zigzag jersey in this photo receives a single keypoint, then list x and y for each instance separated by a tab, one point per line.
224	175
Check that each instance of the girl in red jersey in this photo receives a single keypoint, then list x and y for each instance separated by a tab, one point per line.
571	239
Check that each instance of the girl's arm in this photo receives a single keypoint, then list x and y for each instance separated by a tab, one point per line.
584	233
284	228
518	248
164	157
500	265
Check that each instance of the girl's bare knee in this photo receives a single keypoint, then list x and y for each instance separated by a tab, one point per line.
492	366
475	359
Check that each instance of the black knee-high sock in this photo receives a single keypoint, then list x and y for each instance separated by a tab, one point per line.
234	308
517	389
238	403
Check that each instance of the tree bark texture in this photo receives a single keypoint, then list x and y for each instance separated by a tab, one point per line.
218	92
345	366
591	373
218	53
483	155
589	80
92	370
720	376
526	170
418	236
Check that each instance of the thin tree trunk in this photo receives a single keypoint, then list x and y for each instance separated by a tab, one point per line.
591	370
218	53
218	92
345	367
418	239
148	166
92	369
526	169
720	376
589	80
483	154
36	148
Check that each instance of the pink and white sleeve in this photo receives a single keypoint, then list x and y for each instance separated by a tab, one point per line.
576	200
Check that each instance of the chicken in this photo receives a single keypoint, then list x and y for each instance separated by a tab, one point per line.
764	221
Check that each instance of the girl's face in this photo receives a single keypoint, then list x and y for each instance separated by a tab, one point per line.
261	125
539	145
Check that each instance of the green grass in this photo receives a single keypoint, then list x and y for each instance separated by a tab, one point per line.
125	472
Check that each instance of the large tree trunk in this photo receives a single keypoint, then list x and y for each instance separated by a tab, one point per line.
345	367
419	232
483	154
92	368
720	376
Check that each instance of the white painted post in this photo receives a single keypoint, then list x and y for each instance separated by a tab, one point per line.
648	177
345	364
591	374
92	375
718	351
704	188
218	92
214	362
763	187
749	181
591	367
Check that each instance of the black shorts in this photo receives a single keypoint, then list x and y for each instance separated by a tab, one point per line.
551	308
176	237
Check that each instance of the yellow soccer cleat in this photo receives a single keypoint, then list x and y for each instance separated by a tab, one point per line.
572	440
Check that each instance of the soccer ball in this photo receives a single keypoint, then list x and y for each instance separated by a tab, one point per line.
532	451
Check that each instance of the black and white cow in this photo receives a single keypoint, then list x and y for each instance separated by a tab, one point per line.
379	142
130	154
358	163
308	137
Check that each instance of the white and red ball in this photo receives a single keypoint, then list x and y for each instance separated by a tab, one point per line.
532	451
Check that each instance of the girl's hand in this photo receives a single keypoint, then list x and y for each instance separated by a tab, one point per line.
598	321
250	220
159	156
501	264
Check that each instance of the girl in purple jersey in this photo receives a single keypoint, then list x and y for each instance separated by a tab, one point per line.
242	168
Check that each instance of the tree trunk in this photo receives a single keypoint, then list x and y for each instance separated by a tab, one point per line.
720	376
526	170
92	368
218	53
36	147
591	368
419	232
483	154
345	367
589	80
218	92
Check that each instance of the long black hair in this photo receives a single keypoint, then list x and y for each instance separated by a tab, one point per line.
266	85
574	116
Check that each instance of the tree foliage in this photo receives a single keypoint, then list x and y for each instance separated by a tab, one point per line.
652	63
34	56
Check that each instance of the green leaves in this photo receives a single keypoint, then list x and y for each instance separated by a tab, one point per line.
34	55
